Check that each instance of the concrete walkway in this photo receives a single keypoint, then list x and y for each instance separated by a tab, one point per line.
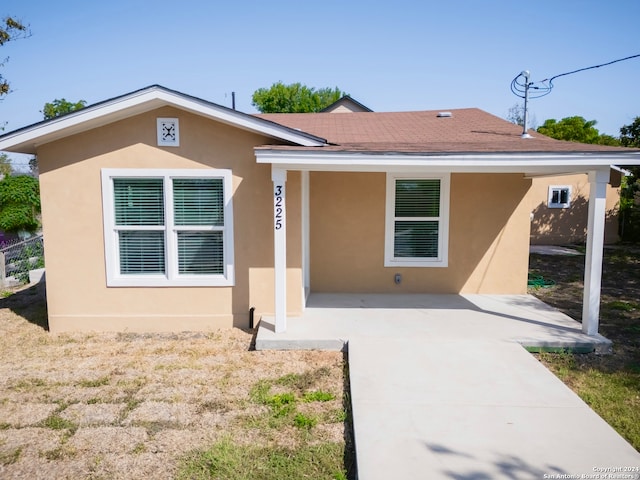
471	410
441	386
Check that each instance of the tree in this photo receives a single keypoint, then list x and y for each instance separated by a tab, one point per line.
6	168
10	29
294	98
630	191
61	107
515	115
19	203
630	134
575	129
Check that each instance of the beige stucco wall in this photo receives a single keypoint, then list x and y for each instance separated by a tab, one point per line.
563	226
77	295
488	238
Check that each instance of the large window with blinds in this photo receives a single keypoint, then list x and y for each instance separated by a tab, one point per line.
417	220
168	227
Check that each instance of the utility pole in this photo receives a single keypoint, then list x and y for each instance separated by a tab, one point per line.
526	76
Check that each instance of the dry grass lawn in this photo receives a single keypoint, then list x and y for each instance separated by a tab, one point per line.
110	406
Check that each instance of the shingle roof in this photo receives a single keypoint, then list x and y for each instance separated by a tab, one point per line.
466	130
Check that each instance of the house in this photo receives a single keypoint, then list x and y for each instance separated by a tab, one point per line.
346	104
558	205
165	212
559	209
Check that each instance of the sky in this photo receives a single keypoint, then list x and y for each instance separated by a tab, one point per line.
390	56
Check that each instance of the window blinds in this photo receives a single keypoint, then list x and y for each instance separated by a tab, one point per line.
417	211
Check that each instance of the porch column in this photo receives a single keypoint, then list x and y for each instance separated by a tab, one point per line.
598	180
279	178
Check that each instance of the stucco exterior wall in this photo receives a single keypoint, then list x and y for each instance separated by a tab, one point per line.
563	226
488	239
77	295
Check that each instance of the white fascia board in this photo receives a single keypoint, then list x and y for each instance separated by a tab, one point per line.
242	120
27	140
481	162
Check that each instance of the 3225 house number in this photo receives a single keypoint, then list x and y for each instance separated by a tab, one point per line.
278	209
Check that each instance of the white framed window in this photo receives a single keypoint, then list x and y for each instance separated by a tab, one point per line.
559	196
417	220
168	227
168	130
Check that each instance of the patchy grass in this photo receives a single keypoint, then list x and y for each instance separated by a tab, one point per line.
610	384
98	382
228	460
131	406
318	396
56	422
10	456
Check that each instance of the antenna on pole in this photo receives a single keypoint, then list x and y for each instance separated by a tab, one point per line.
526	76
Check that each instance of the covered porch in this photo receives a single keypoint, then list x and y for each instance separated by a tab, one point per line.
330	321
529	166
462	251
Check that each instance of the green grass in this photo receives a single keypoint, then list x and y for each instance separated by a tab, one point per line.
614	395
304	421
282	404
609	384
620	305
230	461
56	422
318	396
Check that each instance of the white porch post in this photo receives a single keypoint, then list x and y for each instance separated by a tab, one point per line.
598	180
279	178
306	276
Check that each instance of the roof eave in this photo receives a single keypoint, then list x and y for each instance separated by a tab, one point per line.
495	162
27	139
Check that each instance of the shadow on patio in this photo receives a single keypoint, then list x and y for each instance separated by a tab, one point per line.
331	320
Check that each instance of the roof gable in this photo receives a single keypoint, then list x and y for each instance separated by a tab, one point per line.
346	104
27	139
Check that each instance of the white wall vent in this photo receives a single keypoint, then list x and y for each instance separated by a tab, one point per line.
168	132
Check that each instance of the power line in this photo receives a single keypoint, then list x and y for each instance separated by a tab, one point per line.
589	68
520	84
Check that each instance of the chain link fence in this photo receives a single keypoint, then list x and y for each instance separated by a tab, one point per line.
18	258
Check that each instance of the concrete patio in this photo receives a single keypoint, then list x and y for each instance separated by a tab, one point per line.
441	387
330	321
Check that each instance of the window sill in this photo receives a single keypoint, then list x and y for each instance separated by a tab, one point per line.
415	263
123	281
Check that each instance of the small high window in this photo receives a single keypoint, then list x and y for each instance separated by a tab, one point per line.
559	196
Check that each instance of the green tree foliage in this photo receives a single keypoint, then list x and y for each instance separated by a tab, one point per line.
630	191
6	168
630	134
10	29
294	98
61	107
19	203
575	129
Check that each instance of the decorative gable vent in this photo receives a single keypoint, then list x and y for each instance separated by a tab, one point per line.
168	132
